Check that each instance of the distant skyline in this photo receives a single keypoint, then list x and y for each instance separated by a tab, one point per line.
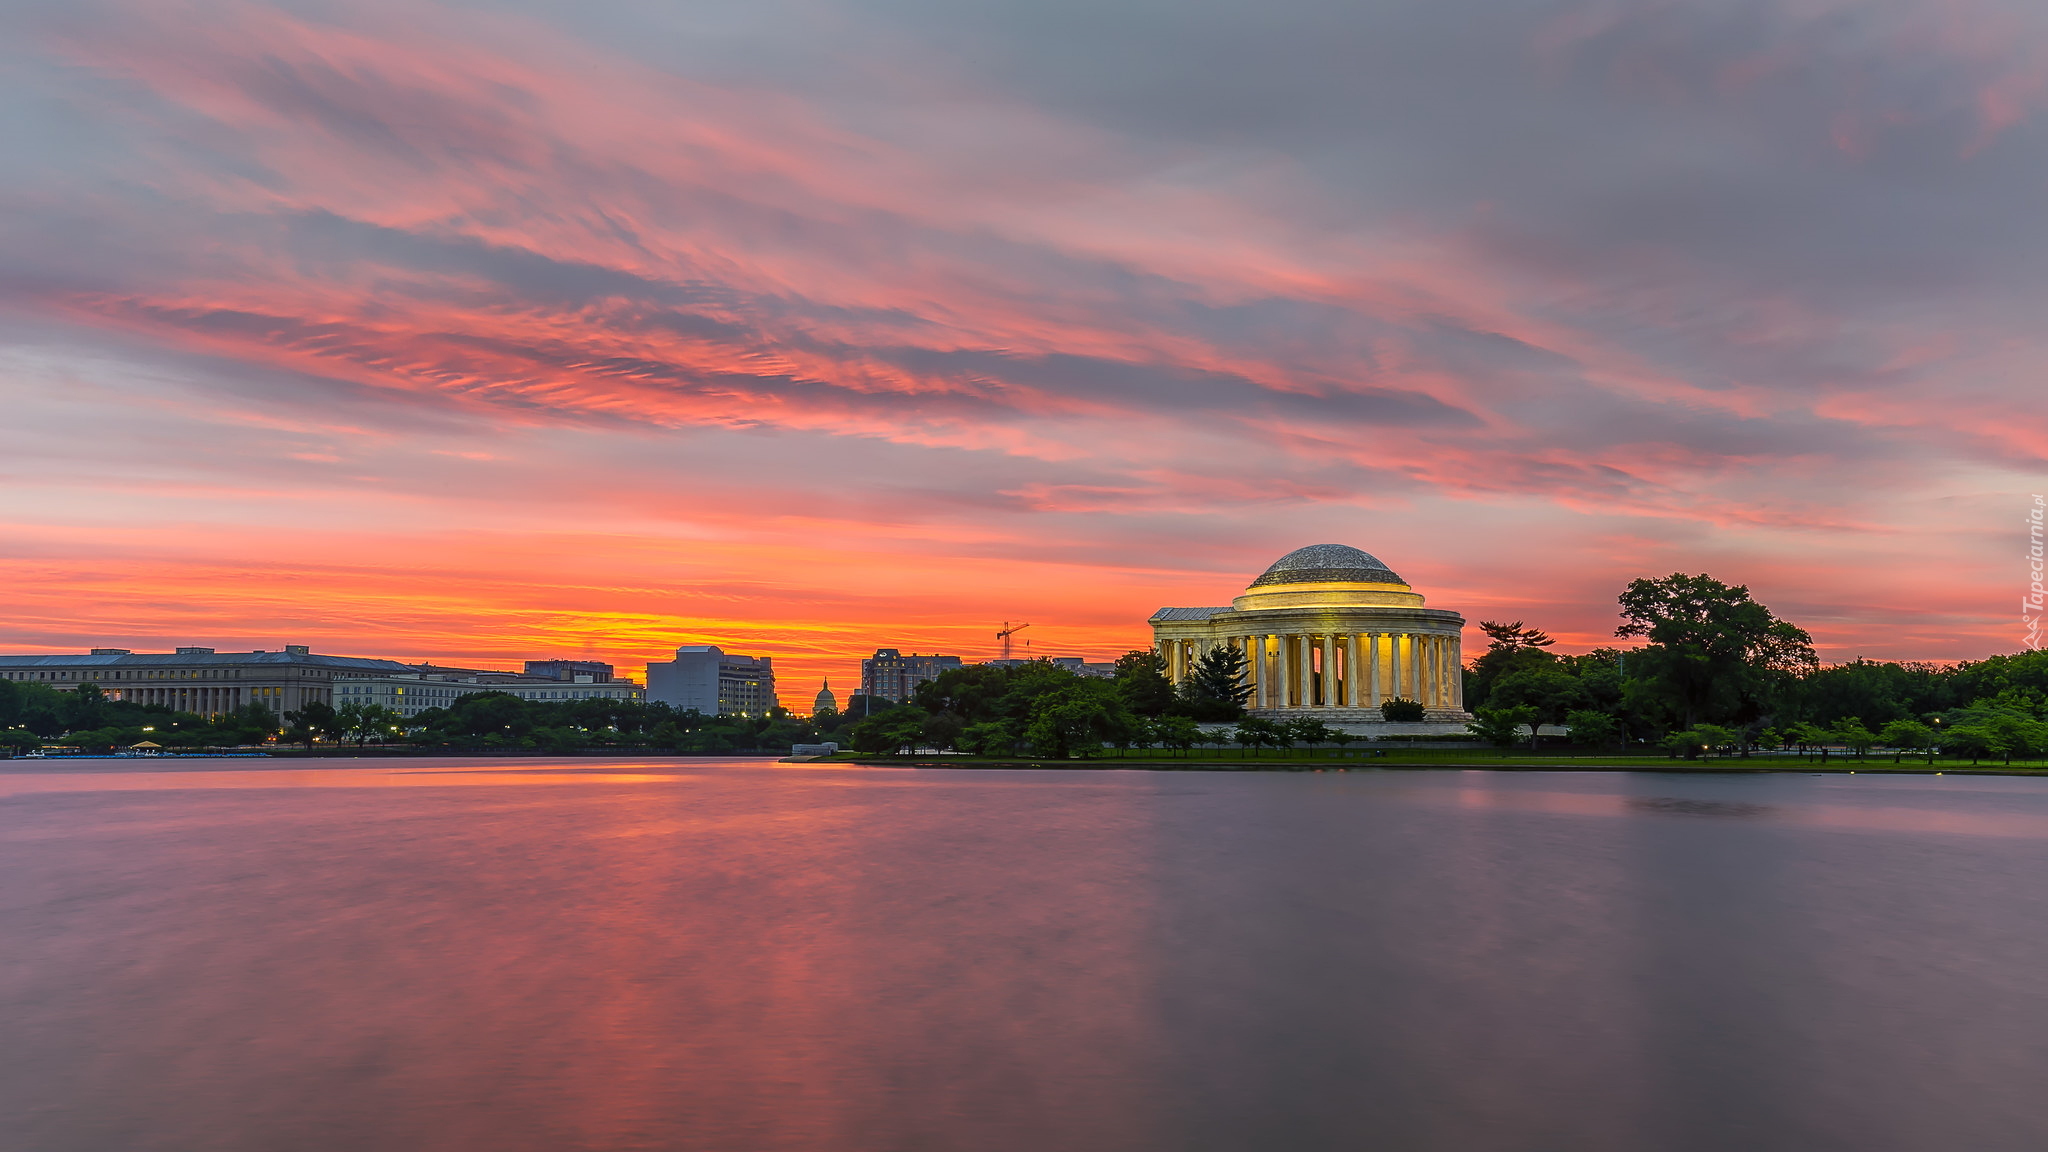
489	331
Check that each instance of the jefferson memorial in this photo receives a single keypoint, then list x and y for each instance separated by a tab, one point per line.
1328	631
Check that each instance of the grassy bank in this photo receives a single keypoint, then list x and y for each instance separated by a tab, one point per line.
1325	760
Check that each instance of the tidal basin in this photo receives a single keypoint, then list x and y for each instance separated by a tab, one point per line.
737	954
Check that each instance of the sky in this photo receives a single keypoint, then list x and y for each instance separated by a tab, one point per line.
500	330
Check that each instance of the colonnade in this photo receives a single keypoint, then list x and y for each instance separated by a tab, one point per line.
1295	670
202	700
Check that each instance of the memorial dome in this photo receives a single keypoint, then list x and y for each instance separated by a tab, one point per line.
1327	564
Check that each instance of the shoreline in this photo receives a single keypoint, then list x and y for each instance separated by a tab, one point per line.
1666	767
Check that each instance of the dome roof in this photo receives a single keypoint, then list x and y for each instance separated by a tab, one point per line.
1327	564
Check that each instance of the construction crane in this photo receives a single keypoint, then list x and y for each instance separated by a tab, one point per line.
1008	631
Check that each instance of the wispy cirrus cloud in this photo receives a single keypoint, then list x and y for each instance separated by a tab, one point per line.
1111	301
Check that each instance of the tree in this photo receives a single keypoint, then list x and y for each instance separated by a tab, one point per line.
943	731
1972	740
1592	728
1907	736
87	706
312	722
1307	730
1549	690
1510	648
1255	733
1077	718
893	731
1141	681
1713	652
1716	738
988	738
1396	709
1177	732
1216	689
363	721
1852	734
1501	727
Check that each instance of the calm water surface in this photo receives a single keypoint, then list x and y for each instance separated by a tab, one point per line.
738	955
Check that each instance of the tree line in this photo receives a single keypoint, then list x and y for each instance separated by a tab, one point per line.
1719	673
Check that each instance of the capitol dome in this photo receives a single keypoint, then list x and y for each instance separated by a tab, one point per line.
1328	564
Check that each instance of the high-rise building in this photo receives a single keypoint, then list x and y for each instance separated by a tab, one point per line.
714	682
893	676
826	701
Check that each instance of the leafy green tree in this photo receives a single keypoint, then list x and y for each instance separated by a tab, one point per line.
1713	652
1549	690
1255	733
1592	728
1510	648
1976	741
1501	727
1177	732
1907	736
1851	734
1142	682
1396	709
899	729
1216	689
989	738
87	706
1714	737
943	730
1306	730
1077	718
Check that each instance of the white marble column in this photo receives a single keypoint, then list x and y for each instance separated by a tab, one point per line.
1339	674
1304	671
1430	671
1330	684
1443	673
1443	684
1457	672
1372	670
1351	671
1313	691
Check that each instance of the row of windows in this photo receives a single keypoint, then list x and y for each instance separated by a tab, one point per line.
155	674
450	694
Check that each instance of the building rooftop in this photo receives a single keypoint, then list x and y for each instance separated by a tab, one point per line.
188	658
1327	564
1185	614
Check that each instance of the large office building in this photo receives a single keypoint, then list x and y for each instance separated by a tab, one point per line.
213	683
714	682
413	692
893	676
202	680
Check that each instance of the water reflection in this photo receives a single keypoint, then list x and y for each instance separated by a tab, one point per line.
697	955
1689	806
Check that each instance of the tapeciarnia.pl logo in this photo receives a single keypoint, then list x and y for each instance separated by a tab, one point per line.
2030	608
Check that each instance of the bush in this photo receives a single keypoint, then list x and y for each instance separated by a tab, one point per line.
1398	710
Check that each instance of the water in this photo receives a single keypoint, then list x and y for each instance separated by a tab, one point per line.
738	955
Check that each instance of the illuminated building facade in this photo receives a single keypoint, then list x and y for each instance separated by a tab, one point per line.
202	680
411	693
1328	631
893	676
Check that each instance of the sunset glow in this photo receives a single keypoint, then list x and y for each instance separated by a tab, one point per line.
482	332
